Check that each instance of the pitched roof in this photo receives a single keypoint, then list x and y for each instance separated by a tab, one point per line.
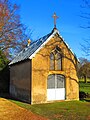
30	51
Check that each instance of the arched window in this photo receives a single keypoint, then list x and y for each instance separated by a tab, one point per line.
56	60
52	61
56	81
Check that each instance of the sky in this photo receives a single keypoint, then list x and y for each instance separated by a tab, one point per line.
37	16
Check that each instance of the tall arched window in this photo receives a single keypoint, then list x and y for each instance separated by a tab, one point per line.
56	60
52	61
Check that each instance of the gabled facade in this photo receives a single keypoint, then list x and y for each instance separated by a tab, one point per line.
45	71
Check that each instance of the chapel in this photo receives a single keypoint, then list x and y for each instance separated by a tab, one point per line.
45	71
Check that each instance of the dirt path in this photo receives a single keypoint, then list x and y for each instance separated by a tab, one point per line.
10	111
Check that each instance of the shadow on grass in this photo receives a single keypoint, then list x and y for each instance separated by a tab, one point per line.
9	97
84	97
87	100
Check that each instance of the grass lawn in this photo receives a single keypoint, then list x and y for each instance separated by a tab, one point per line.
82	80
84	87
67	110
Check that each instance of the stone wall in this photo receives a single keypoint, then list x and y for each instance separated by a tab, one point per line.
20	81
40	71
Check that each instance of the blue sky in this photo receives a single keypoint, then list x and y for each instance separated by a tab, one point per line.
37	15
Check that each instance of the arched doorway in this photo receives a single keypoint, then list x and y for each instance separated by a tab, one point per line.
56	87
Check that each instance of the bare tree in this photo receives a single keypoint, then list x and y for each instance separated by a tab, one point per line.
84	69
85	15
12	31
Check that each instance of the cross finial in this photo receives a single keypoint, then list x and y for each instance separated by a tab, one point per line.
55	17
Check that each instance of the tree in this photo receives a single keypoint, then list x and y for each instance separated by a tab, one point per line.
3	60
12	31
85	15
4	73
84	69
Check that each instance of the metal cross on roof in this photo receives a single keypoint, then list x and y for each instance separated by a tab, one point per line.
55	17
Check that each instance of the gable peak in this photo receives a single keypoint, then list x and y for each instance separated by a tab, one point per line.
55	30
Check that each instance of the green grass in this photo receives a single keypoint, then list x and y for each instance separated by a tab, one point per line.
67	110
84	87
82	80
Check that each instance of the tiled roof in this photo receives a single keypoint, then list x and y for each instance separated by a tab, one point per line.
30	51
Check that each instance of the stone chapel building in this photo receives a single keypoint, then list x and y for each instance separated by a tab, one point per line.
45	71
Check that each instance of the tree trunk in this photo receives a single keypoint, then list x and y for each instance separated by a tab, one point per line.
85	79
